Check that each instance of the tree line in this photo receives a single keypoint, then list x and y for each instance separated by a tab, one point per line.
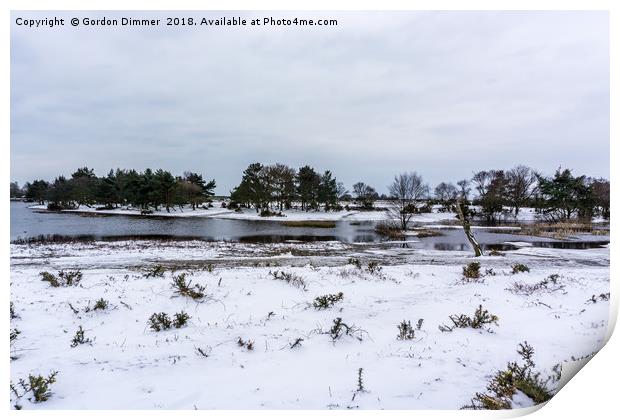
272	188
276	187
120	187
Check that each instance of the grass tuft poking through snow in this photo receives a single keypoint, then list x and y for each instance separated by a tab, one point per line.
515	378
63	279
183	288
327	301
290	278
481	318
37	385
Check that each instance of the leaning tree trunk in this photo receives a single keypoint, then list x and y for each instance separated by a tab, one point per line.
467	228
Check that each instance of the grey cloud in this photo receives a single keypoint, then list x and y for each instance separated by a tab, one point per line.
379	94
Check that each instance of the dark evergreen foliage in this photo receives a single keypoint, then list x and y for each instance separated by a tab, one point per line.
146	190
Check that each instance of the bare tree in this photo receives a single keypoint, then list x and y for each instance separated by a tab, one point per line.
406	190
481	182
446	192
342	191
600	190
521	181
365	195
464	189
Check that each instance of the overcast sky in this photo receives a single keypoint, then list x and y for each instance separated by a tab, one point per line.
441	93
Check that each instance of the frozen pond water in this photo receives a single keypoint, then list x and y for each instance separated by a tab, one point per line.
26	223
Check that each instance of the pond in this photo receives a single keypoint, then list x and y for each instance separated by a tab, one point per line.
26	223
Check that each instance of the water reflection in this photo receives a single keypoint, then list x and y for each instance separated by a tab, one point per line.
62	227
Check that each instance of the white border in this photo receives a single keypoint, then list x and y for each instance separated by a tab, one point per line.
592	394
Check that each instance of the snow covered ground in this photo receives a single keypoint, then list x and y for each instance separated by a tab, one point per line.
129	366
251	214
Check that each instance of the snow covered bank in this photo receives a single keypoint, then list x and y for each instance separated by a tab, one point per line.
127	365
251	214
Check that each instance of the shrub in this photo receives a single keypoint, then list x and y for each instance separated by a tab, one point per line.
182	288
360	383
389	230
548	284
427	233
374	267
290	278
249	345
80	338
481	318
155	271
505	383
38	385
327	301
70	278
64	278
12	311
101	305
603	296
14	333
520	268
180	319
160	321
50	278
472	270
360	380
356	262
405	331
339	329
